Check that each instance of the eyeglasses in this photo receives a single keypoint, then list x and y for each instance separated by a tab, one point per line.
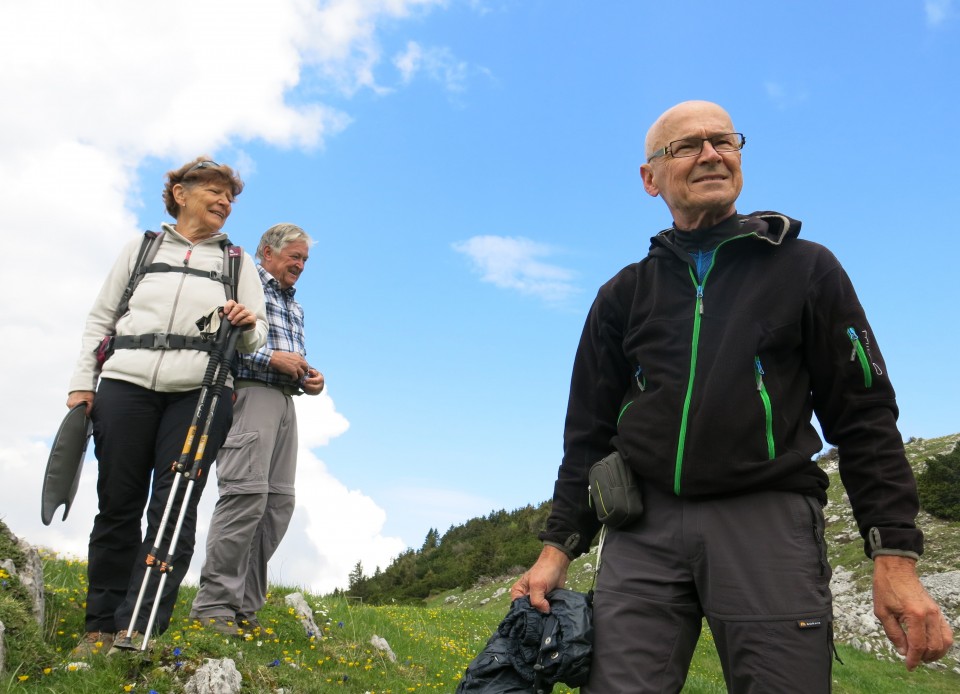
692	146
206	164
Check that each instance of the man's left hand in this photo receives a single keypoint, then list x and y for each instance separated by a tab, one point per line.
912	620
313	383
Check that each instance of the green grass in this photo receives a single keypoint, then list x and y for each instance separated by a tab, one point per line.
433	644
433	647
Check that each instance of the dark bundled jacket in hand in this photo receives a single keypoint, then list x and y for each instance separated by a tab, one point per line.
532	651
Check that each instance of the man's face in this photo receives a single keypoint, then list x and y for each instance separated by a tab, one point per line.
701	190
287	265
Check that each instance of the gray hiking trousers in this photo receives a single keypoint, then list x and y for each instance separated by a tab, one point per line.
755	566
256	471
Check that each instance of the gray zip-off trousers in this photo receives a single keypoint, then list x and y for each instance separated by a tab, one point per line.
256	472
755	566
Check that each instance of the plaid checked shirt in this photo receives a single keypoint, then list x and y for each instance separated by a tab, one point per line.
285	317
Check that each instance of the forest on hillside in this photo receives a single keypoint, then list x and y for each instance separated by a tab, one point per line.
505	543
498	544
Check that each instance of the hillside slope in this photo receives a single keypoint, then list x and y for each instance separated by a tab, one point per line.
852	579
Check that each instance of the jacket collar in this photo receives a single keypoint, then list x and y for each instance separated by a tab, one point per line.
771	227
219	237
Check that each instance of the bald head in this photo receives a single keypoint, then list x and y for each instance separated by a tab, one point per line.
699	178
679	118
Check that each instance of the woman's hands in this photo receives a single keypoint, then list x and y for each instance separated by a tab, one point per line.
240	315
75	397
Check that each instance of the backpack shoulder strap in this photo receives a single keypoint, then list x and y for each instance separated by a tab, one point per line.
146	254
232	262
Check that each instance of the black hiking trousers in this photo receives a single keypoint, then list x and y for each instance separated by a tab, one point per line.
138	434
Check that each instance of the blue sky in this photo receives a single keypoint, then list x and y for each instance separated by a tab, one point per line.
469	171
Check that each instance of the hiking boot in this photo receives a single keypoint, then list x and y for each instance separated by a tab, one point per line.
248	622
93	642
135	643
222	625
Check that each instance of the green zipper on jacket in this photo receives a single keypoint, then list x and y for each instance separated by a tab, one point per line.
859	353
641	385
698	311
694	347
767	407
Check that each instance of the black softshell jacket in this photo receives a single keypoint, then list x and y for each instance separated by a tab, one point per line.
706	382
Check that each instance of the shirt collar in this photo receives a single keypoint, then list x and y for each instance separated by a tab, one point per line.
269	280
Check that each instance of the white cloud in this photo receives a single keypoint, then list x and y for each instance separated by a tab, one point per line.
318	420
91	90
437	63
513	263
333	527
409	61
938	11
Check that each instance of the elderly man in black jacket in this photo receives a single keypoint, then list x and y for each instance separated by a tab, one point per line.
702	366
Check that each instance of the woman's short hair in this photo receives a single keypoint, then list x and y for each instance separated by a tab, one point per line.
279	235
203	168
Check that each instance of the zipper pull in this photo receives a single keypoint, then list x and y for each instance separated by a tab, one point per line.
641	381
760	372
854	340
186	258
700	299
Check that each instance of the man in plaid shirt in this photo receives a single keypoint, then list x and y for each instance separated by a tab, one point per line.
257	465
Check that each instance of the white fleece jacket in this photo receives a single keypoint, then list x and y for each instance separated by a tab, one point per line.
165	302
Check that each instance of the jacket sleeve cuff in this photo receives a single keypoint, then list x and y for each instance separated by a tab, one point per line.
570	555
900	542
569	545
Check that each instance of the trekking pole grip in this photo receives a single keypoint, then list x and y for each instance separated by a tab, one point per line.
229	350
218	351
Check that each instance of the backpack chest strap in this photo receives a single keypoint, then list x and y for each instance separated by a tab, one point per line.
208	274
161	341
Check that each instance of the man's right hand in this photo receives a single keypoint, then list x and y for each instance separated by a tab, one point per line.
75	397
913	622
290	363
549	572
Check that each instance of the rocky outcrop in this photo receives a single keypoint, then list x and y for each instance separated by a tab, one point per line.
22	571
304	613
29	572
215	677
381	645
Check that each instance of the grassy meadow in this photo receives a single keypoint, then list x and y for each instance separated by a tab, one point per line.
433	645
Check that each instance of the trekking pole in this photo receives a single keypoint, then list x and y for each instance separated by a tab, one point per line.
218	367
